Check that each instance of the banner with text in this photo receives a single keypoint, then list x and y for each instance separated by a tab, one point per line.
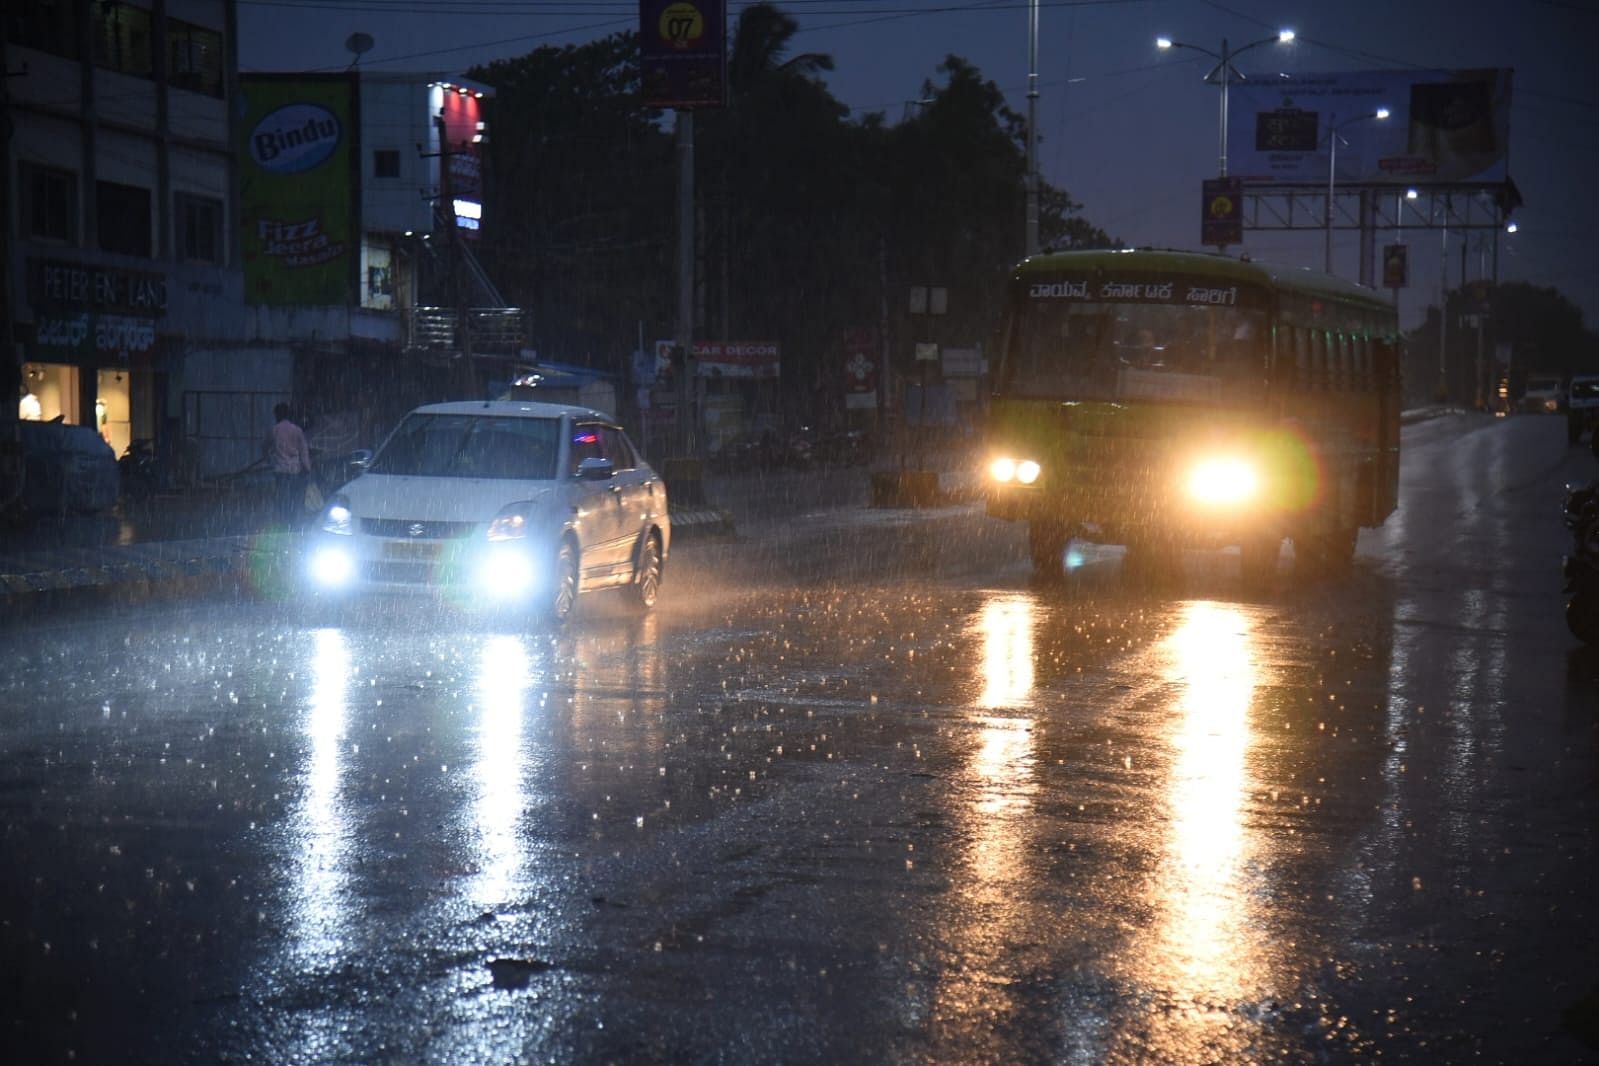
299	191
1443	126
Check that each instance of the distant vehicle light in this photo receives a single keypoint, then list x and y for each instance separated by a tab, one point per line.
1223	482
1002	469
1027	471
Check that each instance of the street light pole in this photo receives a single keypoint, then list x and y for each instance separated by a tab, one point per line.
1222	74
1032	128
1224	66
1333	126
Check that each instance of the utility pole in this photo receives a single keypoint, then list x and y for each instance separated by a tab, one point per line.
687	443
466	374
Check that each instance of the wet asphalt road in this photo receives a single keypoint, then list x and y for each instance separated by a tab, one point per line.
860	791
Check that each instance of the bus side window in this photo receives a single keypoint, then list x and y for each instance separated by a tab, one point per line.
1363	378
1301	372
1318	360
1341	362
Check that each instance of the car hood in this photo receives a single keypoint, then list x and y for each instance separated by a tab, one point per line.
438	499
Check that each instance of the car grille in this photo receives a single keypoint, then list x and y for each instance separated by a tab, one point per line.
405	528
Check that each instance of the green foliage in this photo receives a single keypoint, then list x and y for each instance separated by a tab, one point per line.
1540	329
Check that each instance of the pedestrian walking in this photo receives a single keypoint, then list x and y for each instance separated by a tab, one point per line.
290	457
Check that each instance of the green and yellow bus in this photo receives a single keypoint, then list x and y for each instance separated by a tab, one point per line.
1165	400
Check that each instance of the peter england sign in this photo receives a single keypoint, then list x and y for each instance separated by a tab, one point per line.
94	314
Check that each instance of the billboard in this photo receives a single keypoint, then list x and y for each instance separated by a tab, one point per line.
682	53
1443	127
460	124
299	189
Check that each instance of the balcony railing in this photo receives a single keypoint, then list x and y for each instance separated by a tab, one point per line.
494	330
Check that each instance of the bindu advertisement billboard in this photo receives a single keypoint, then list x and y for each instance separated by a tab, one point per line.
301	221
1443	127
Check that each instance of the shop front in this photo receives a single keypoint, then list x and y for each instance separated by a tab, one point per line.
95	356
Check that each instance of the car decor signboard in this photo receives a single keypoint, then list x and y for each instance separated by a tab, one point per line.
683	53
299	193
726	359
1443	126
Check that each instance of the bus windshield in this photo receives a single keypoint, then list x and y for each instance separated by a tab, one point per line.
1092	350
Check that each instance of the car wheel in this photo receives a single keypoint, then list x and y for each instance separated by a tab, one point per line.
1153	559
1257	560
1582	617
647	573
1046	544
564	588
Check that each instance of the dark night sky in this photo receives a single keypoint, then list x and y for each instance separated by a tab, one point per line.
1129	131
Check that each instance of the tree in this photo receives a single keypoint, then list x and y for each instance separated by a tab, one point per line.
1539	328
581	223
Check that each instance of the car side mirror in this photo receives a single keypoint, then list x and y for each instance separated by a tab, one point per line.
596	469
360	459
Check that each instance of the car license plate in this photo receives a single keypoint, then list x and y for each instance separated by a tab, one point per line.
412	551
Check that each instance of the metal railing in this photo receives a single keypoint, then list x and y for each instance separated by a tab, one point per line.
493	329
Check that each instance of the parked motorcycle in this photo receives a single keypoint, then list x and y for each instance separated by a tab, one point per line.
1582	565
140	470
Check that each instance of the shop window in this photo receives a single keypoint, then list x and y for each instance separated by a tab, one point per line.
194	58
199	223
123	214
386	163
48	25
49	203
379	281
122	39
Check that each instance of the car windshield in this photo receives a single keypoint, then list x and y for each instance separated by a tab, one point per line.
1585	389
472	446
1121	351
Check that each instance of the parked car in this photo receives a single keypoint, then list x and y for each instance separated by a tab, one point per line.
1582	406
67	469
1543	396
500	504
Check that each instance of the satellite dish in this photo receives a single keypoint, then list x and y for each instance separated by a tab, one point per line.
358	44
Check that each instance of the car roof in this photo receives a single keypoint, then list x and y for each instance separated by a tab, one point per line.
511	409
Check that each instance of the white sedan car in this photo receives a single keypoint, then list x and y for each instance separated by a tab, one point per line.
502	504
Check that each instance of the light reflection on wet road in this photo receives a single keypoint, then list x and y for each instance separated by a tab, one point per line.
860	794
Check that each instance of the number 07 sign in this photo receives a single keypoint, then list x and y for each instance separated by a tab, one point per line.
683	53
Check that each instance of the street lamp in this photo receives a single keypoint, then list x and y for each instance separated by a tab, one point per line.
1223	73
1333	127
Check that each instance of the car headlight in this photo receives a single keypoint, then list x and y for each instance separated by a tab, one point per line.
1006	469
332	567
1223	481
338	518
506	572
514	522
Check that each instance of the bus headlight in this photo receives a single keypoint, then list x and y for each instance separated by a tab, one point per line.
1223	482
1023	471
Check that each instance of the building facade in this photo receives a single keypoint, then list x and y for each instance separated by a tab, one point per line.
119	184
186	247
